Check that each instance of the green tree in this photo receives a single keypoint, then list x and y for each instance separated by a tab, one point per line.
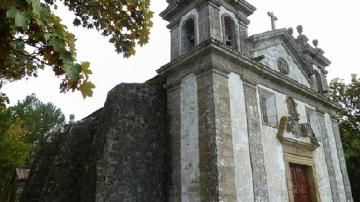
13	147
23	130
348	95
14	151
40	119
32	37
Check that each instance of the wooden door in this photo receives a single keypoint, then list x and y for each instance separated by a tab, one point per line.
300	183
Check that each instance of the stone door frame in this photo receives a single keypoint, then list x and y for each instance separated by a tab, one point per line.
304	157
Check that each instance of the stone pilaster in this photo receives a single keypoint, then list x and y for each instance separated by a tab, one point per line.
341	156
174	135
175	42
261	192
329	161
209	21
215	139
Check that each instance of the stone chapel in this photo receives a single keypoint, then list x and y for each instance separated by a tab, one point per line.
230	118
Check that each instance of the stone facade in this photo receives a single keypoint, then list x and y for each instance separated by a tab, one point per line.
224	120
241	156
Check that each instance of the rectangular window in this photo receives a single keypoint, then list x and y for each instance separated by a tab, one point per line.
313	120
268	108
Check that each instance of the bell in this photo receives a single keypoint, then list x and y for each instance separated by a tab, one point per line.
228	40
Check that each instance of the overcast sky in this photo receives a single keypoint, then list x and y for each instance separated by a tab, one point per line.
335	24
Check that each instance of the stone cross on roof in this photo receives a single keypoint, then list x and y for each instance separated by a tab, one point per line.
273	19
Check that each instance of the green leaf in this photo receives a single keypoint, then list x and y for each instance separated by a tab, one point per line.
47	36
127	23
86	89
11	13
70	39
72	71
21	20
85	67
58	44
65	56
36	6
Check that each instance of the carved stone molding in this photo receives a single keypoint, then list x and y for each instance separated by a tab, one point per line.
283	65
299	131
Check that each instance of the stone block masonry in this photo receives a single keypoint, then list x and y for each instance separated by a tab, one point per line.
115	154
62	171
132	163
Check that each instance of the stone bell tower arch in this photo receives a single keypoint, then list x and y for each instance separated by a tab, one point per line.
224	21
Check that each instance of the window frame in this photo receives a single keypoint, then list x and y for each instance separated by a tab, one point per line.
264	95
236	45
183	48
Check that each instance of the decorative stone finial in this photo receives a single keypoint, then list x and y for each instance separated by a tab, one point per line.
72	118
299	29
318	50
302	39
290	31
273	19
315	43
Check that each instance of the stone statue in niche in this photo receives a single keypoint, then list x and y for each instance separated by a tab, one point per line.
291	106
307	131
283	66
293	119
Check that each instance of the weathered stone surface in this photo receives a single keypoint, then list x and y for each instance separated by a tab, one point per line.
242	163
335	158
224	137
273	149
271	56
329	162
40	170
62	173
261	192
174	139
116	154
209	179
217	176
190	177
344	172
132	162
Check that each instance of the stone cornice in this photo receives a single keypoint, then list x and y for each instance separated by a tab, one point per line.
316	55
332	114
244	6
200	71
302	48
174	6
249	82
170	87
334	117
214	46
212	67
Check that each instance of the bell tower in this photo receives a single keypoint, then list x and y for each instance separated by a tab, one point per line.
205	35
192	22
